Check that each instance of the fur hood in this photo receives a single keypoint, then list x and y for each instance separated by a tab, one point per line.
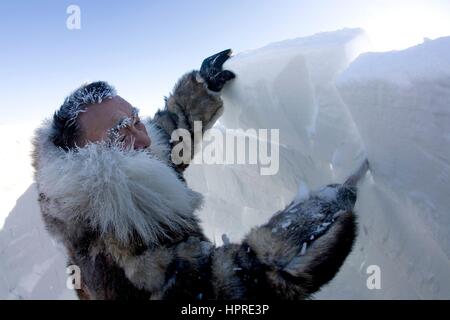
115	191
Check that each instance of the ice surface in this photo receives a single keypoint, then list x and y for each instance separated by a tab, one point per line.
15	165
303	192
403	100
32	265
400	103
392	106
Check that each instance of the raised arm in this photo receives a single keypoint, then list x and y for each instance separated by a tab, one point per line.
290	257
195	97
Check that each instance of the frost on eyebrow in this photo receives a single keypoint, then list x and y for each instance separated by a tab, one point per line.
114	132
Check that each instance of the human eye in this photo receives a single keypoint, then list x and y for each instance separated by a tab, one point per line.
138	123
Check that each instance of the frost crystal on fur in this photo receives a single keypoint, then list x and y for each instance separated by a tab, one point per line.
114	133
87	94
65	130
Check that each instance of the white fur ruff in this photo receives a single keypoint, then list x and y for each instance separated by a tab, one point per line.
114	190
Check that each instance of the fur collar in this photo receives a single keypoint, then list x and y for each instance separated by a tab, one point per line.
115	191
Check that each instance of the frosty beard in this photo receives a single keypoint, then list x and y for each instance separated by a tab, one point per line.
116	191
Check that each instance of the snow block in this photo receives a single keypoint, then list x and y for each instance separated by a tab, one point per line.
400	104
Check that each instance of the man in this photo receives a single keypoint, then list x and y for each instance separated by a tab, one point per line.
110	192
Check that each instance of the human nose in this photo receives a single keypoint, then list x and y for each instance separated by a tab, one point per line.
141	140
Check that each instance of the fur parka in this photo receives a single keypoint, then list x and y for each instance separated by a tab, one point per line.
127	219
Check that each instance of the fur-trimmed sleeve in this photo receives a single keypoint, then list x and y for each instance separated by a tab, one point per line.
277	261
189	102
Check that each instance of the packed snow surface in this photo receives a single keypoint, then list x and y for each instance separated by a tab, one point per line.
334	105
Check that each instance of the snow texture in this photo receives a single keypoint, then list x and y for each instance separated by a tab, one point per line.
334	105
32	265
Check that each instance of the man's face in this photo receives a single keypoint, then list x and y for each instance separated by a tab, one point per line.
113	119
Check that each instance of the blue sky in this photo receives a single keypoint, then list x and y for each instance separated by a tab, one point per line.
142	47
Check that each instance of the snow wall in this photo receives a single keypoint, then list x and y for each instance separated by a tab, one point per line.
331	111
